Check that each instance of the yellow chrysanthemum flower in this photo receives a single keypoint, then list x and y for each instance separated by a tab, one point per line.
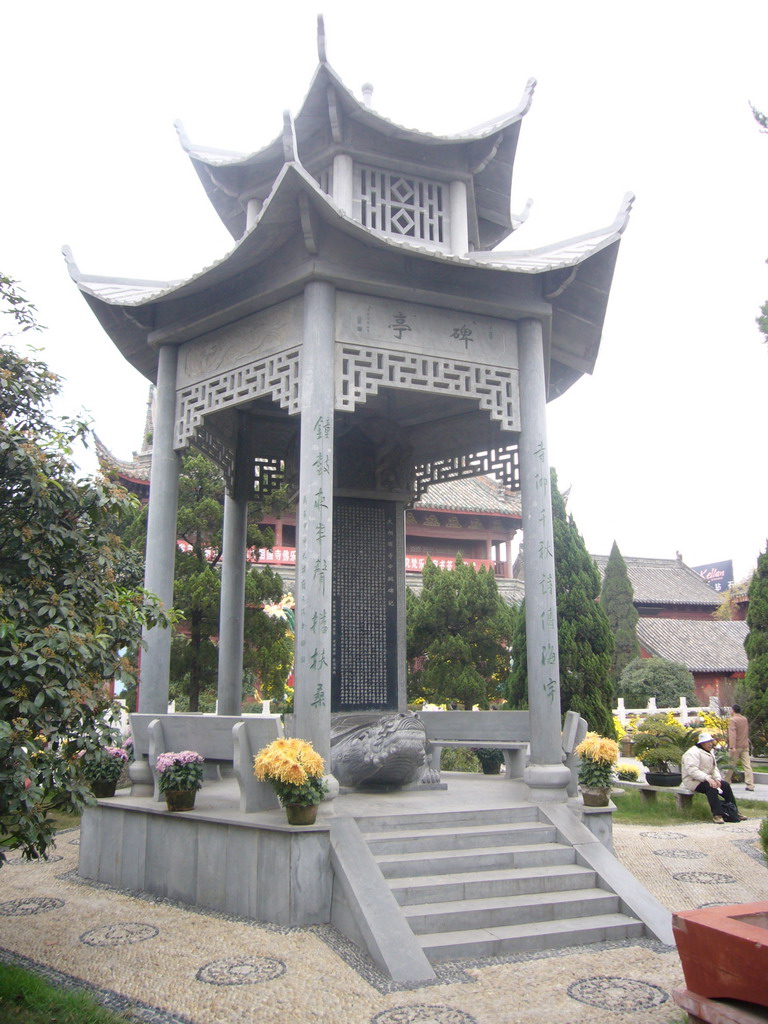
598	748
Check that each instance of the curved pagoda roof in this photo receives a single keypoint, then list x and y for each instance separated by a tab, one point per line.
332	119
566	285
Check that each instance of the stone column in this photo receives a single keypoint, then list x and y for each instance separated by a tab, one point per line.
312	691
232	606
161	536
547	777
458	217
344	182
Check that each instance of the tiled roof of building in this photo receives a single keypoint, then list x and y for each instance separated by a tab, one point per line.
472	494
702	645
665	581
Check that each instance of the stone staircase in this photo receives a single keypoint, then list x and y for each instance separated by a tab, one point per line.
488	882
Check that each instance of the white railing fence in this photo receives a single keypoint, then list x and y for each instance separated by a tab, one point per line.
682	712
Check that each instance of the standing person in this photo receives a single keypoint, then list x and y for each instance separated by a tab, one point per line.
701	775
738	746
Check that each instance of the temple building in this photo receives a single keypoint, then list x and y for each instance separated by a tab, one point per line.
676	608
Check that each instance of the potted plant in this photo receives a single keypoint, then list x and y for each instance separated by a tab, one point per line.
180	776
660	744
598	758
294	769
102	769
490	759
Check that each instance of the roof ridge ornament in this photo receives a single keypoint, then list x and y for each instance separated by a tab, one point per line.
321	53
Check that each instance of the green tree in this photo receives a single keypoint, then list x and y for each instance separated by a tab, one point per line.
584	635
665	680
267	653
617	601
756	646
64	617
458	631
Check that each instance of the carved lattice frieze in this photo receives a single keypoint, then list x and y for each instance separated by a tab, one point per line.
499	462
364	370
275	377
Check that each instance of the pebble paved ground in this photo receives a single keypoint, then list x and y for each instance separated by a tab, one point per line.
165	963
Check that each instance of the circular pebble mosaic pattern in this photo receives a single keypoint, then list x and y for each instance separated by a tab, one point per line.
241	970
656	834
620	995
123	934
681	854
423	1014
29	905
704	878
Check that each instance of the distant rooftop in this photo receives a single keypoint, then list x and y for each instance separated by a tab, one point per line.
472	494
664	581
702	645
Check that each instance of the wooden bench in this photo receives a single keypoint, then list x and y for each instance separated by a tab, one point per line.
224	741
683	797
507	731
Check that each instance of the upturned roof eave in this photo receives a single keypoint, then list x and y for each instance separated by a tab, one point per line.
125	306
215	167
325	74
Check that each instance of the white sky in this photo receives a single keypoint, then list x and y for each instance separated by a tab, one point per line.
664	448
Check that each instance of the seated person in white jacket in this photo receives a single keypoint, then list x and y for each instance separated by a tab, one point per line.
701	775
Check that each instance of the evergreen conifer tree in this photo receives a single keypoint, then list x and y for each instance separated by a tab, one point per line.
756	646
584	635
616	600
459	627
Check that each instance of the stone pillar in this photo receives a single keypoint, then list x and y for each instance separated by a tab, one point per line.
232	606
547	777
161	536
458	215
343	182
312	691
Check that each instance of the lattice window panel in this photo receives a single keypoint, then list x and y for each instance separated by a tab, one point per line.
402	205
503	463
218	451
269	474
276	376
365	370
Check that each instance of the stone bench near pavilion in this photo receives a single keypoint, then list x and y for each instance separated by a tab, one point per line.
224	742
507	731
683	797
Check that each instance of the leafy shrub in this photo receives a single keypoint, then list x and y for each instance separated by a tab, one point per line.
459	759
627	773
667	681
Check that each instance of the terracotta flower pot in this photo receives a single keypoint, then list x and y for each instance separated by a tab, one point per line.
103	787
301	814
180	799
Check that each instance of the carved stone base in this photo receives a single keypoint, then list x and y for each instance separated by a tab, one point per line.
374	749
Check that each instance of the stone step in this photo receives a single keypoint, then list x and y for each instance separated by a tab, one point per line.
499	882
440	862
525	909
459	837
481	816
518	938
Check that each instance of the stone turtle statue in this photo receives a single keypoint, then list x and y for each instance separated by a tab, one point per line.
375	749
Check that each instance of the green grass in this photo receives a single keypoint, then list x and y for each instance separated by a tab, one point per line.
27	999
630	809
